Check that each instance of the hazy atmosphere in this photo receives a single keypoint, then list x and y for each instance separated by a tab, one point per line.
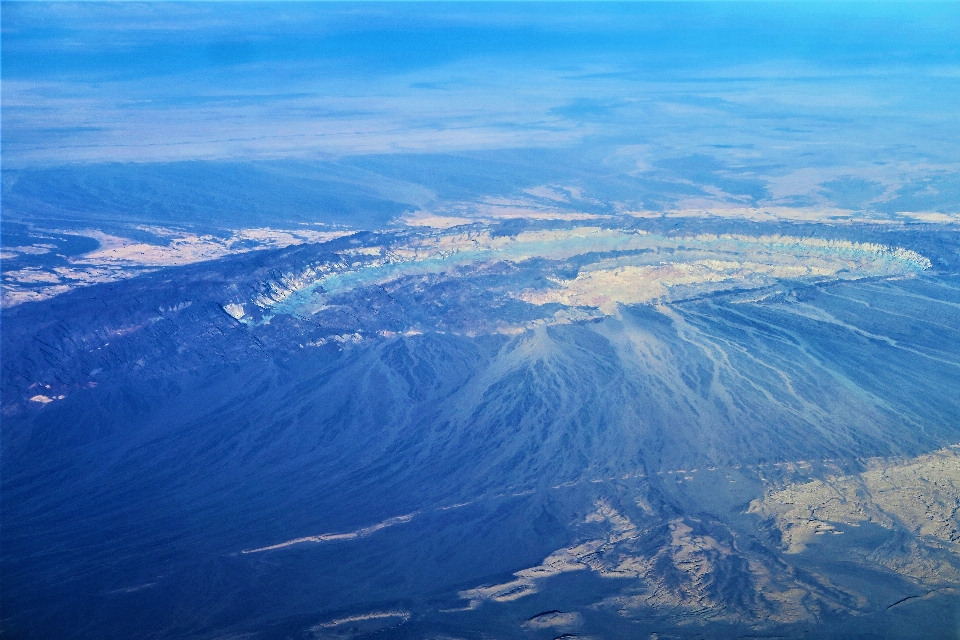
480	320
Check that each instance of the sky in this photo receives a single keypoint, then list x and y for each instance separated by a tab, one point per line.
789	104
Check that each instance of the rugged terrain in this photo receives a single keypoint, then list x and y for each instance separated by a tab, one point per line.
531	430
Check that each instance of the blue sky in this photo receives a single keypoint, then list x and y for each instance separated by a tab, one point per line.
867	92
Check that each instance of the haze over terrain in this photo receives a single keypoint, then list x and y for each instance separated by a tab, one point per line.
480	320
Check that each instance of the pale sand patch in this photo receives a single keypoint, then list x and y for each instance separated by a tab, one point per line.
558	562
36	249
364	251
707	209
626	285
329	537
548	193
118	258
931	216
605	284
234	310
574	558
490	213
14	296
435	221
187	248
376	615
184	249
920	494
508	212
32	275
283	238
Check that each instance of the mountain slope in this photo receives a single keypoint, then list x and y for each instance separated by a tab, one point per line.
218	475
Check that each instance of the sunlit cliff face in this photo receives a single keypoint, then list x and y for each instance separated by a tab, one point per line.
577	273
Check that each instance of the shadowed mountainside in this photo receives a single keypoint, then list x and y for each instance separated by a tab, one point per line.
216	474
